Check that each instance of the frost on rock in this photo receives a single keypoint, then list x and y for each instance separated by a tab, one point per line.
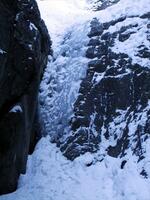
111	113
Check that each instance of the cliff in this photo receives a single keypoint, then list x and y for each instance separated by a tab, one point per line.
24	49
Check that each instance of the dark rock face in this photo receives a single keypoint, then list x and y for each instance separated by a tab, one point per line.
24	49
112	112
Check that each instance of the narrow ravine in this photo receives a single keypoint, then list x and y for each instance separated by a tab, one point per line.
50	176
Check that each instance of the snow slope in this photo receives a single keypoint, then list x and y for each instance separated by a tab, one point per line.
50	176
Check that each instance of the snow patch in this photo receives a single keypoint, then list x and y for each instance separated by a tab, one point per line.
16	109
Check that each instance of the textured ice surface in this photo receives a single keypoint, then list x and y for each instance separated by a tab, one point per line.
50	176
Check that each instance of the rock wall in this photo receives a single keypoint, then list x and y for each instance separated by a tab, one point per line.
24	49
112	111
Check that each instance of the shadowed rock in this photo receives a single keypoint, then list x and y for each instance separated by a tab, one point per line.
24	49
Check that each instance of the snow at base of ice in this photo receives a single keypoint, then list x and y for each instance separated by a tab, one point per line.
50	176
